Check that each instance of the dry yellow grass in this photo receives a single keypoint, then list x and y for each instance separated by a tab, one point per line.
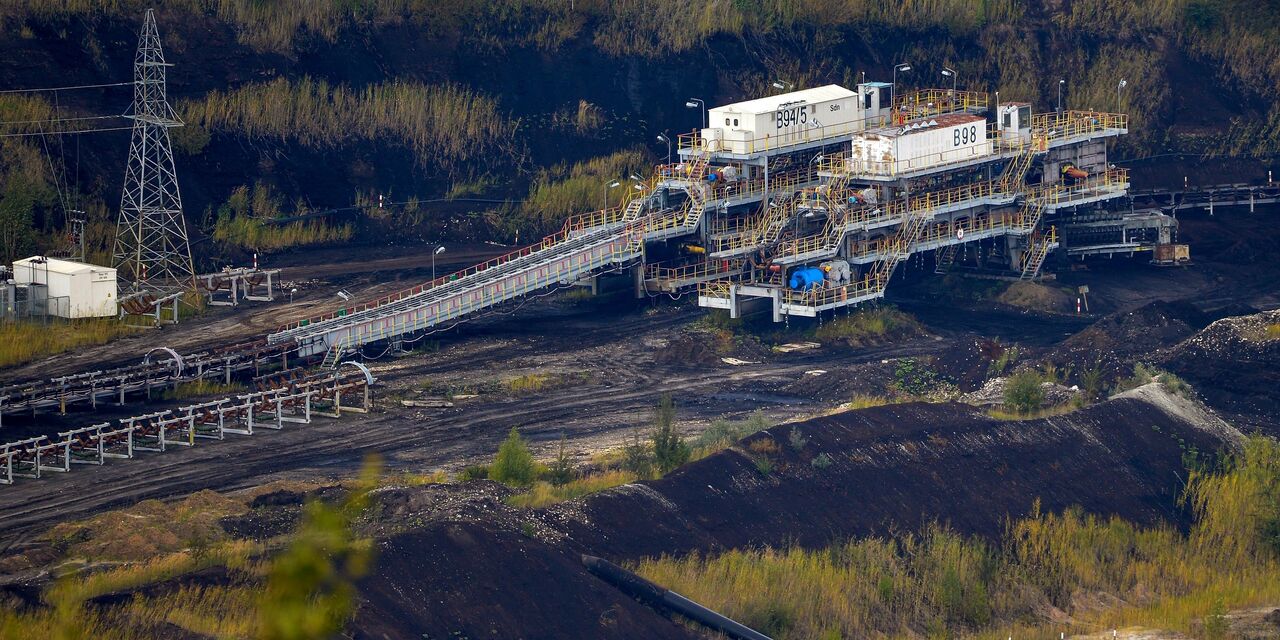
532	383
1273	331
941	583
26	341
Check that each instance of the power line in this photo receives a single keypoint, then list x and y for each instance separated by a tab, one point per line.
52	120
59	133
82	86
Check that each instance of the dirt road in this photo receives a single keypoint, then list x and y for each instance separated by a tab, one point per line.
611	384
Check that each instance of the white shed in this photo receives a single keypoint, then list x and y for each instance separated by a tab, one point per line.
89	289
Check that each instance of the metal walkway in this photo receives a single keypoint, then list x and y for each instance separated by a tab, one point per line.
560	259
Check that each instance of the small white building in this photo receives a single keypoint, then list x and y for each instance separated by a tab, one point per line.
89	289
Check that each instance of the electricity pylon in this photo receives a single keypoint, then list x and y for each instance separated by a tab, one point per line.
151	251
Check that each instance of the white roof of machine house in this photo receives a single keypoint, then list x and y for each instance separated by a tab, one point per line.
925	124
62	267
772	103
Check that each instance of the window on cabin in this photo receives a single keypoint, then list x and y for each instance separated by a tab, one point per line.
735	122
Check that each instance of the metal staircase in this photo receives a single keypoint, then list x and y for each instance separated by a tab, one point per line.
902	245
1040	246
945	258
1015	173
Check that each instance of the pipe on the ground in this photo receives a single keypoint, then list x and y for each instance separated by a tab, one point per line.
635	586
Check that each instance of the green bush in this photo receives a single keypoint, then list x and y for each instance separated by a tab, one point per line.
514	465
636	457
474	472
669	449
1022	392
561	471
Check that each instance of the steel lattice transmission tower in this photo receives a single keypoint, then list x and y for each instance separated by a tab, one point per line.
152	251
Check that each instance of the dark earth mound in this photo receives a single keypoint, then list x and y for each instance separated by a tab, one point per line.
456	561
1235	364
1113	343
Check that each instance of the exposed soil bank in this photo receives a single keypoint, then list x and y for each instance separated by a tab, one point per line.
456	561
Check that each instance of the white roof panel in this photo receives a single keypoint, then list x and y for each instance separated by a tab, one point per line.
772	103
55	265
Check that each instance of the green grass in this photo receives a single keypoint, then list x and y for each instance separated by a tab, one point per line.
200	388
26	341
869	326
543	494
244	221
723	433
941	584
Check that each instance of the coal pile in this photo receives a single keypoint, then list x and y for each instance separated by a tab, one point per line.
1234	364
1118	340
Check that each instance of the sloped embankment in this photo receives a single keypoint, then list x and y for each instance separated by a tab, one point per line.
1235	364
457	560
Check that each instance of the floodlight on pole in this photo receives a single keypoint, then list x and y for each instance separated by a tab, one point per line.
607	187
1060	85
893	88
438	250
694	103
951	73
663	138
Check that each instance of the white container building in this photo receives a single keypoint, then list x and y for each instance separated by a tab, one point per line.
90	290
920	144
777	121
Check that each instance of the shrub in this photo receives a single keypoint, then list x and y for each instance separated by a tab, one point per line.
514	465
474	472
669	449
561	470
765	446
1007	357
1091	381
1141	375
763	464
914	377
1023	393
796	439
1175	385
821	461
311	590
637	458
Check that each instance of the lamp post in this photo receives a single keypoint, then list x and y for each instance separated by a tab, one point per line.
664	138
1123	83
694	103
948	72
607	187
438	250
893	88
1060	83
